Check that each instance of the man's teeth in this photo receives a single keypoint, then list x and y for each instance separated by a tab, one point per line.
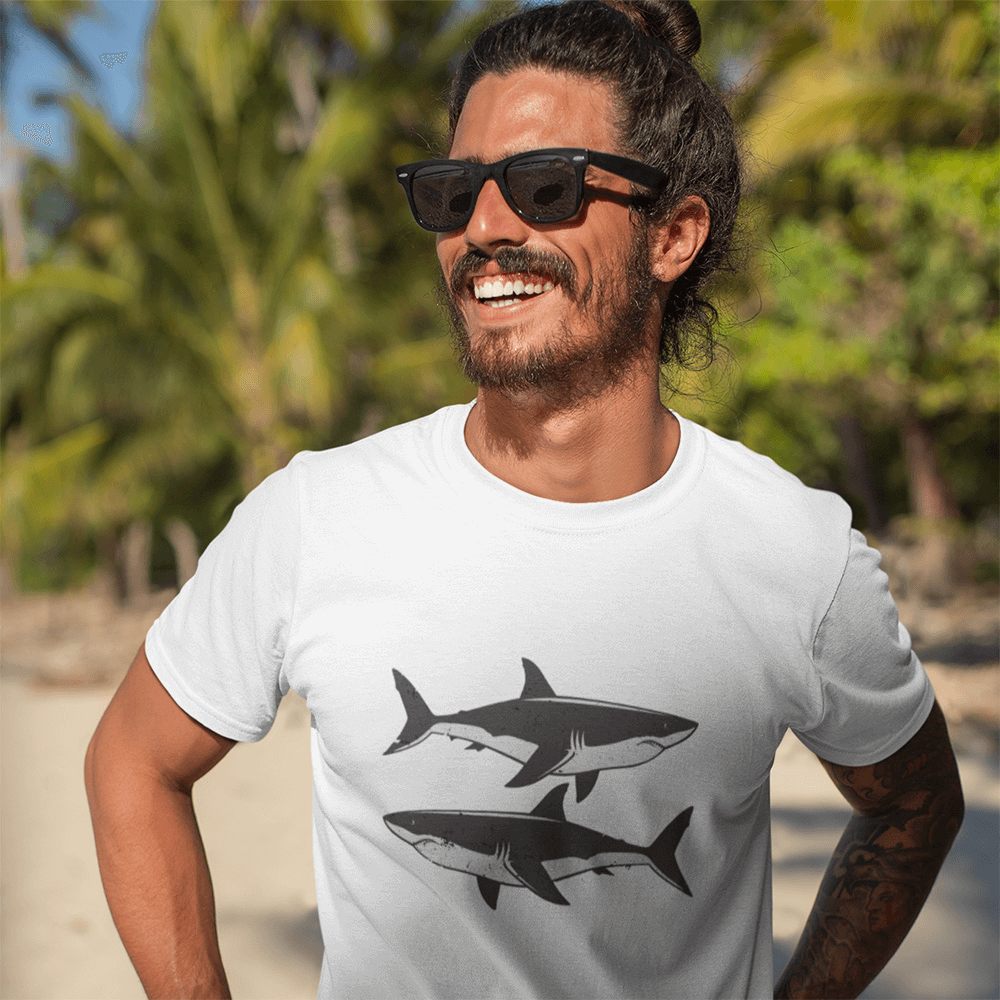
505	289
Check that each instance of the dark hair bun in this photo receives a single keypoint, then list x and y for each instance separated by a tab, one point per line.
672	22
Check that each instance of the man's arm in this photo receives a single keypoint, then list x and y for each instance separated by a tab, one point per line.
142	761
907	811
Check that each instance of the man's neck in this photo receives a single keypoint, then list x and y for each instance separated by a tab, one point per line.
612	447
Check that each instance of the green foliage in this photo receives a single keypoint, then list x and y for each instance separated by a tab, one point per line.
893	289
872	131
241	280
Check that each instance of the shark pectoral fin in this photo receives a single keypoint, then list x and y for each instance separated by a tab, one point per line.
475	746
533	875
541	763
489	890
604	871
585	784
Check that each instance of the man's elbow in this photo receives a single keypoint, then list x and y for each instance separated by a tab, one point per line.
103	772
955	804
944	813
950	798
88	768
91	770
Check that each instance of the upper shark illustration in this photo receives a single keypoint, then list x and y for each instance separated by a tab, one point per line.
533	850
548	734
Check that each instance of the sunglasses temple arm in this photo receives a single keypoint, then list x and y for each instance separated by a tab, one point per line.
630	169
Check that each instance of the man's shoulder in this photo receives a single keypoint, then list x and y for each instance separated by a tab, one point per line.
756	493
393	450
754	464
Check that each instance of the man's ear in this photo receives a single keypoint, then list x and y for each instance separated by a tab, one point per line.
673	245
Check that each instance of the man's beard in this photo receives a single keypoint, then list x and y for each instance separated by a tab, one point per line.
571	367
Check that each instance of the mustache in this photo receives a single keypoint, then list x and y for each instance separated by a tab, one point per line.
513	259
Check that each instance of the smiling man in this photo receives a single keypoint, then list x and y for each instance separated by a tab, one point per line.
551	638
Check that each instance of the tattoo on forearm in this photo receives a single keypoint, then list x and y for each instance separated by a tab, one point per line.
908	809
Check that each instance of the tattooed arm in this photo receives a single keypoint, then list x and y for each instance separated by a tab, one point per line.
907	810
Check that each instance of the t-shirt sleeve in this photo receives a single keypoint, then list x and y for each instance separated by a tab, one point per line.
219	646
875	692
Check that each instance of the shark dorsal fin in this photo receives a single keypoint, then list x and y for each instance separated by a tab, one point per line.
551	807
535	685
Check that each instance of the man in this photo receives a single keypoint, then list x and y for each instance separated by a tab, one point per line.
612	614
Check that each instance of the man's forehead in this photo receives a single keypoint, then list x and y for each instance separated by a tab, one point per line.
505	154
531	109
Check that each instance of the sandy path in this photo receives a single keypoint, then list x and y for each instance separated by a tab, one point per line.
59	942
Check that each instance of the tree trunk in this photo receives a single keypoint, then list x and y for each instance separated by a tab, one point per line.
934	560
134	553
8	577
339	225
930	496
109	580
14	245
185	545
859	470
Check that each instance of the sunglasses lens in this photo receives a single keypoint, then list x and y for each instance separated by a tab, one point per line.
442	194
543	187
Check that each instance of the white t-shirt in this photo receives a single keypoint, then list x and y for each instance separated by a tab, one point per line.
612	678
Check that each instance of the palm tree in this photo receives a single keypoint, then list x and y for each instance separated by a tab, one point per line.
233	288
872	127
49	19
907	73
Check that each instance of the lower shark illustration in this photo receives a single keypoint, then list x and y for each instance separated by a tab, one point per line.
532	850
548	734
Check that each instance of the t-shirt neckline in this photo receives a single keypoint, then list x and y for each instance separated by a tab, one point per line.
475	484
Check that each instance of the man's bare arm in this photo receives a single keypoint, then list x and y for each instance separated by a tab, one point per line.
907	810
142	762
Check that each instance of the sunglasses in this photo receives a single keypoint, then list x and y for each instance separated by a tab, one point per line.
545	185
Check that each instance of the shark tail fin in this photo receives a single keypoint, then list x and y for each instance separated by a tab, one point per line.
662	851
419	718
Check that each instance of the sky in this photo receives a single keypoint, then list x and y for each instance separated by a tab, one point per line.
115	26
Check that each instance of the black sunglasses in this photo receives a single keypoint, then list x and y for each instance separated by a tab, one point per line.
545	185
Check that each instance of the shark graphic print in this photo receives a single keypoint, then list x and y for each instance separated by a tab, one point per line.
548	734
532	850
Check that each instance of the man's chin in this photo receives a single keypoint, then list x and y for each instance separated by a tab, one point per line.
486	353
555	370
507	374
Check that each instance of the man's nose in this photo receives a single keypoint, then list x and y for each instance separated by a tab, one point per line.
494	222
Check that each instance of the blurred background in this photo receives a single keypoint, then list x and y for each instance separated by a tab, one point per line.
208	266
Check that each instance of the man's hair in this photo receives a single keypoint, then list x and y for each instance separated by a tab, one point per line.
665	115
